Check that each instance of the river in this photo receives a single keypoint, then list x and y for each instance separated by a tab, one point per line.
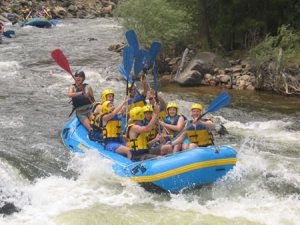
52	186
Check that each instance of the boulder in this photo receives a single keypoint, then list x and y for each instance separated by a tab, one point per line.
202	63
59	12
224	78
190	78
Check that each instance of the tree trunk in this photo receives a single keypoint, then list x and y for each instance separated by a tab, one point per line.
206	23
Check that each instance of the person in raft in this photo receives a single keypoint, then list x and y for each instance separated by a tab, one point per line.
96	133
81	103
135	97
161	101
106	95
173	123
137	133
156	141
198	130
110	123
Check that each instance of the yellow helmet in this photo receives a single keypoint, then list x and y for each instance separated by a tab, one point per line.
105	93
137	113
105	108
197	106
148	108
172	105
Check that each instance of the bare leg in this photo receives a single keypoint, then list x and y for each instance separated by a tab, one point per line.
124	150
192	145
177	148
185	146
86	123
166	149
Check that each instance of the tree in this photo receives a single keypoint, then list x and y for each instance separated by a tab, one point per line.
155	20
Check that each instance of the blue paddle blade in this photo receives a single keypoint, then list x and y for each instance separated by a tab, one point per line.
127	59
132	41
124	74
139	63
220	101
153	51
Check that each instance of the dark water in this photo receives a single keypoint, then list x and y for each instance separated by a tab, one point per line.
52	186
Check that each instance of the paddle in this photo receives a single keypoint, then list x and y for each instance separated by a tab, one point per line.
219	102
127	62
62	61
153	51
155	81
139	63
132	41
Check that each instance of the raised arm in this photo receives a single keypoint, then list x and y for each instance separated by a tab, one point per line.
115	111
178	127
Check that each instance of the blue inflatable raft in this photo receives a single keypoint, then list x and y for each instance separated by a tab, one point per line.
39	22
172	173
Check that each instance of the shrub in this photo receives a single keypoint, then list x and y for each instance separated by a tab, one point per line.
154	20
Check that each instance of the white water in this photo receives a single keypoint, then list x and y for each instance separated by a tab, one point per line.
264	187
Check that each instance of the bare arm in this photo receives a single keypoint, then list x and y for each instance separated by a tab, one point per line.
208	124
178	127
91	93
145	129
71	92
115	112
179	139
145	87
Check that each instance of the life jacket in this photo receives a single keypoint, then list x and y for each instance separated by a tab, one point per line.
139	145
96	121
80	100
112	130
153	133
139	100
199	135
167	120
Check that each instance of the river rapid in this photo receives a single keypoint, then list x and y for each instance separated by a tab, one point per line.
52	186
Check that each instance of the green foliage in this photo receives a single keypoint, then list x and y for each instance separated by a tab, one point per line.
155	20
287	39
15	8
221	25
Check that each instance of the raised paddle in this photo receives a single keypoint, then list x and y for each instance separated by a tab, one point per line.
219	102
127	62
132	41
62	61
155	81
153	51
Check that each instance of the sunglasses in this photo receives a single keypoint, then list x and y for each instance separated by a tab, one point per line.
78	75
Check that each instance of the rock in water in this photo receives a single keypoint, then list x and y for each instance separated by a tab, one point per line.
8	208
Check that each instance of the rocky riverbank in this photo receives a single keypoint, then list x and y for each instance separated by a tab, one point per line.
64	8
190	69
